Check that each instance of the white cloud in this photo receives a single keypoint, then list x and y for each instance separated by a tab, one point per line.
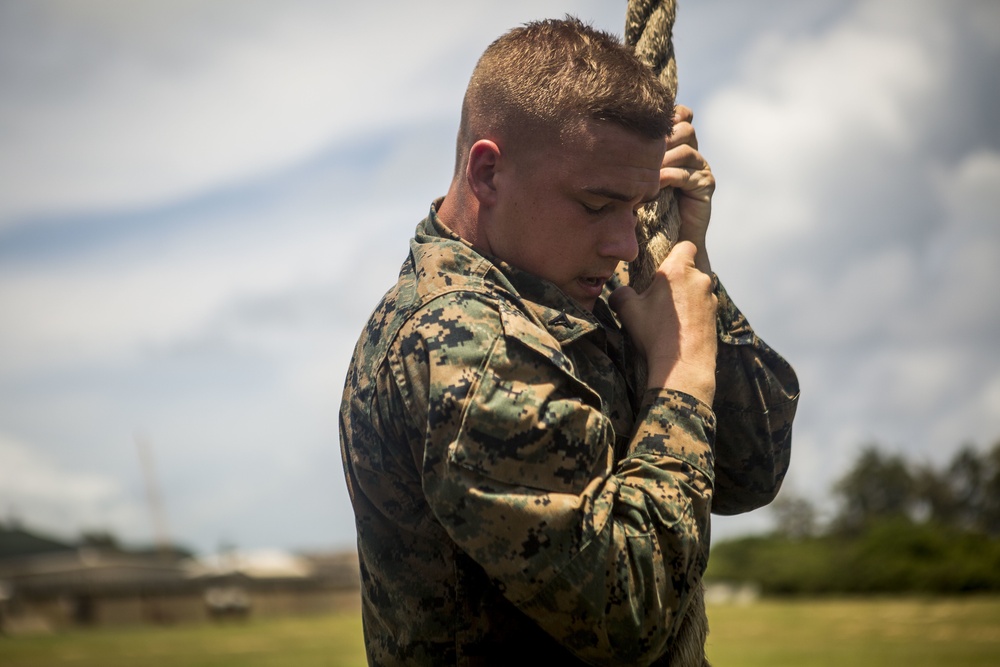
118	104
146	121
811	116
65	501
971	196
854	230
855	223
119	303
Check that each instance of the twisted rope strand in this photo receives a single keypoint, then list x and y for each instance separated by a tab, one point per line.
649	28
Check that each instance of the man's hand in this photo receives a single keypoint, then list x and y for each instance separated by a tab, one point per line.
685	170
673	323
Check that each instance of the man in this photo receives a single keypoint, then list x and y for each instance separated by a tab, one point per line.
517	497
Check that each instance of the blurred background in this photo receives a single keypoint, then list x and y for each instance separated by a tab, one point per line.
201	202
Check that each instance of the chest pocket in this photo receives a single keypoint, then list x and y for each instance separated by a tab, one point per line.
530	422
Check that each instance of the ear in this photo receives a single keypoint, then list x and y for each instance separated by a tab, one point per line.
484	157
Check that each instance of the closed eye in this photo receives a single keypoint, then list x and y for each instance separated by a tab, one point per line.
611	198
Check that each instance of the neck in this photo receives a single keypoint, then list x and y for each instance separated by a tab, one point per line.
461	213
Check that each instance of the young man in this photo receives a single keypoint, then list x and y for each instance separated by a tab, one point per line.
517	497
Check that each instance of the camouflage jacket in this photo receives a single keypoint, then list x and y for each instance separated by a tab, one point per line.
516	500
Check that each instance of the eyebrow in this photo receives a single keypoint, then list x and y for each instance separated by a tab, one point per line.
617	196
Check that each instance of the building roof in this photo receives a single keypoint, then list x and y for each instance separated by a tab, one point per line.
16	542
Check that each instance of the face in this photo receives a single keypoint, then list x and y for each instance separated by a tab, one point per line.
567	213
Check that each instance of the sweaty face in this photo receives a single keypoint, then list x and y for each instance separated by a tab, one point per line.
567	213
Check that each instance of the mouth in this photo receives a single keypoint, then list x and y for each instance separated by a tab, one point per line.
593	285
588	289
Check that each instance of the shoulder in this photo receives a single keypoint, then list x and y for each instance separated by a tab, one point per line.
462	318
453	327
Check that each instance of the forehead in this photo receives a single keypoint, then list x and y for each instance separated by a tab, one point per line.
603	154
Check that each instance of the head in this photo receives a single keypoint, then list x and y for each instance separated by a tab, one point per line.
560	142
540	81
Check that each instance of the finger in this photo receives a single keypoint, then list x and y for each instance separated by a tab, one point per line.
683	252
683	129
683	134
684	156
620	297
685	168
689	180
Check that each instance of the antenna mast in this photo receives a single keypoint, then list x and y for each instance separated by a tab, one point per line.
161	535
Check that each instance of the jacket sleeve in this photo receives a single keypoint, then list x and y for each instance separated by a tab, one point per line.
518	467
756	394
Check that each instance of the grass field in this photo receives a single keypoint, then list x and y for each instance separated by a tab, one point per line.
859	633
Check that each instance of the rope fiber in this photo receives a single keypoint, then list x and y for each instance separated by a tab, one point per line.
649	26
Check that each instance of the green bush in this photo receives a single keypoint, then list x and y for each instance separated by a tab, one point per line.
888	556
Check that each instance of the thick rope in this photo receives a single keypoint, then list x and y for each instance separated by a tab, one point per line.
649	28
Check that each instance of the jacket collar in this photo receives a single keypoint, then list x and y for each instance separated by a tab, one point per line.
562	317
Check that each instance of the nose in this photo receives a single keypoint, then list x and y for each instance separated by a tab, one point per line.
619	241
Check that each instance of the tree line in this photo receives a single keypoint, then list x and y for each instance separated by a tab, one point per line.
898	526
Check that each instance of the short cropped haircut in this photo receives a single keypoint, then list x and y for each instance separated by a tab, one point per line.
544	78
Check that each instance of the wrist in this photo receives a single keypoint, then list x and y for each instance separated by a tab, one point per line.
696	380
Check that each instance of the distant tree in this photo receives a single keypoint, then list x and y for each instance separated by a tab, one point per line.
968	477
879	486
100	539
936	499
794	516
989	519
965	494
899	528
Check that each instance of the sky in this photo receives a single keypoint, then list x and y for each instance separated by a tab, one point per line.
202	200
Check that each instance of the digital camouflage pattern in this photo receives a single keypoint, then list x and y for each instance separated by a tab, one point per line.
516	499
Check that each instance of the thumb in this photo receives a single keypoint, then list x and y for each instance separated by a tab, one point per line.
620	297
683	252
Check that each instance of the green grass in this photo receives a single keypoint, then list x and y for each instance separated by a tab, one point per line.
859	632
799	633
319	641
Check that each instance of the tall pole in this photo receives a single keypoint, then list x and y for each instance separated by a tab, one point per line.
160	533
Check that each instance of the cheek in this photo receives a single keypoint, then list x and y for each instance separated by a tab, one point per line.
566	255
552	241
